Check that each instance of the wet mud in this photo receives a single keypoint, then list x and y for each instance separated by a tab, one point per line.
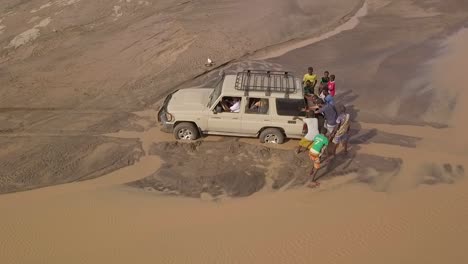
235	169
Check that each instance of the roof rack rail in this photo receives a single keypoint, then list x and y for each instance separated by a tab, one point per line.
266	81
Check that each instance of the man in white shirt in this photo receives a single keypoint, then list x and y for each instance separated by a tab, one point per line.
235	107
312	131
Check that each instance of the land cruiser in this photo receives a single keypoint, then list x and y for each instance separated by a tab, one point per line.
250	103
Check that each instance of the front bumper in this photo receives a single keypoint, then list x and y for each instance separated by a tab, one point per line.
165	125
162	119
168	128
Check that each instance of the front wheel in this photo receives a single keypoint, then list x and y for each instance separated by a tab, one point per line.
272	135
186	131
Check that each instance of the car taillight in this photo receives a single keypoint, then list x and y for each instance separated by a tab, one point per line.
304	129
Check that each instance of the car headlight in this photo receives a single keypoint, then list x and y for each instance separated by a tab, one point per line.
169	117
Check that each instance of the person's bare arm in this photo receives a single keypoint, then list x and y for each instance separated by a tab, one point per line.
314	107
298	118
314	83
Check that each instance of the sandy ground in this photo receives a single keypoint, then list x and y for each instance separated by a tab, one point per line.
79	68
401	197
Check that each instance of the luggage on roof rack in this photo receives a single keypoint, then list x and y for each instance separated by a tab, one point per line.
266	81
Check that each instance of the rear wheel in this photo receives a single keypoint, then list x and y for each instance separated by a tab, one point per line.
186	131
272	135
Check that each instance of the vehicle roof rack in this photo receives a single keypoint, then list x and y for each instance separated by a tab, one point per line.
266	81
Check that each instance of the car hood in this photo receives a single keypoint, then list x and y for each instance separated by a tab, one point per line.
192	99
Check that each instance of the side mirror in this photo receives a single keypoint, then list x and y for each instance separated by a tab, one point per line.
215	111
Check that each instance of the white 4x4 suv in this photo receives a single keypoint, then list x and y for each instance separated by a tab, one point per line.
249	104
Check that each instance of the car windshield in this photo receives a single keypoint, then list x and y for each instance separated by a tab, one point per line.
216	93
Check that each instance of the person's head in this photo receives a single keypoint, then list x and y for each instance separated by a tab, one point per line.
310	70
326	73
323	131
325	91
332	77
320	102
236	99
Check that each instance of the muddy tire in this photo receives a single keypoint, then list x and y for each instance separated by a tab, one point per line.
186	131
272	135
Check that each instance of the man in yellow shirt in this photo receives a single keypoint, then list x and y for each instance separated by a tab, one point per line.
310	76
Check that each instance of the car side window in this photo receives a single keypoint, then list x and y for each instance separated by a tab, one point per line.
257	106
229	104
290	107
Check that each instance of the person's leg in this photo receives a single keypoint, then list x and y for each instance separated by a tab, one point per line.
333	147
298	149
313	173
344	143
313	183
345	146
325	125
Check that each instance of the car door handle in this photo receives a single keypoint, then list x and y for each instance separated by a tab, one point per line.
235	118
216	117
266	120
291	122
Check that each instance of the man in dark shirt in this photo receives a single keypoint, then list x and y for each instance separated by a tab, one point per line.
324	81
329	112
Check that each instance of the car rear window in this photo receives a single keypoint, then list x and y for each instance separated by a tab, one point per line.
290	107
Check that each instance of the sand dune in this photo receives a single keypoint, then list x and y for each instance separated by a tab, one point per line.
413	212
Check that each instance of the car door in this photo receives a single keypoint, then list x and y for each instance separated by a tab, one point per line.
225	122
283	117
256	117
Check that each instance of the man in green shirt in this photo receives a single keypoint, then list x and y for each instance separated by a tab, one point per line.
319	146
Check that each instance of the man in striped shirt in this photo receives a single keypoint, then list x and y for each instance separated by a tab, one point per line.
340	134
